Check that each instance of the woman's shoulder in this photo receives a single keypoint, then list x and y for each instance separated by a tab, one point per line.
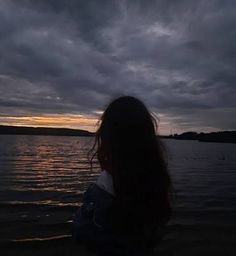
94	212
105	182
95	194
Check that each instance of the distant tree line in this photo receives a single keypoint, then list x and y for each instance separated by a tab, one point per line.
223	136
43	131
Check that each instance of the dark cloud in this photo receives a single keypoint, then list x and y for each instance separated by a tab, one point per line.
73	56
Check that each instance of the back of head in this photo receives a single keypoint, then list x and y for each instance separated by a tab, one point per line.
128	148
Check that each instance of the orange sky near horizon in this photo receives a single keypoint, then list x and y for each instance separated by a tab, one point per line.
68	121
75	122
89	123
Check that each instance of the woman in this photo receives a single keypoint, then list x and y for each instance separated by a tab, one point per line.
124	212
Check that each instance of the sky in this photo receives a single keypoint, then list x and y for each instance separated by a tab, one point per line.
62	62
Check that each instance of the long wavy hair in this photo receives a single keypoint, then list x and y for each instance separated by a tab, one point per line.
127	146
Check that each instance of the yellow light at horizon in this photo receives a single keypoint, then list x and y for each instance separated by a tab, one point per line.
75	122
165	127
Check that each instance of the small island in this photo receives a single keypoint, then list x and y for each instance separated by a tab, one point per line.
222	136
23	130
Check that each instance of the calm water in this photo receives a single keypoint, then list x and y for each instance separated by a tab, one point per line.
42	179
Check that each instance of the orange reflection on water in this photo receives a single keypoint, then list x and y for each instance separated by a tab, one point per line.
50	163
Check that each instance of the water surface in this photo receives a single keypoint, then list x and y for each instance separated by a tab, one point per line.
42	179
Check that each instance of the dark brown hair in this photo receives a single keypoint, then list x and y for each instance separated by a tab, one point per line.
127	147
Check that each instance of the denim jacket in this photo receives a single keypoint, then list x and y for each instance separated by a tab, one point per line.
92	225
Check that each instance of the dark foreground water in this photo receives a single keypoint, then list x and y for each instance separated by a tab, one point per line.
42	179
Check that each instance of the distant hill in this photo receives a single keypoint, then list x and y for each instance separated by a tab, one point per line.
43	131
223	136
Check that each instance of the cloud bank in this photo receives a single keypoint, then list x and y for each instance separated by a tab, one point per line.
71	57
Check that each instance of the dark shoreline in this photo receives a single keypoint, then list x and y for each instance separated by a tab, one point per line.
219	137
178	241
23	130
46	247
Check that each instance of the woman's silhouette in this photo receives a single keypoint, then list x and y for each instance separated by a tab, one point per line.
124	212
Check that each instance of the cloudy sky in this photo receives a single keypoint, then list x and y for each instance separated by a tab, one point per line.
62	61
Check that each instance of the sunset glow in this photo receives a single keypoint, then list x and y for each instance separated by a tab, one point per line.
61	64
75	122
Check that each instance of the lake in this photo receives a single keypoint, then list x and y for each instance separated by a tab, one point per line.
42	180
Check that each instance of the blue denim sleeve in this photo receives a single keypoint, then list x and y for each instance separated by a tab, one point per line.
91	221
92	225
